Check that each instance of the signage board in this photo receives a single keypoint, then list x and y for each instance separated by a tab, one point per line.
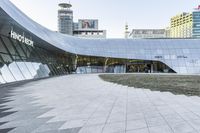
88	24
21	38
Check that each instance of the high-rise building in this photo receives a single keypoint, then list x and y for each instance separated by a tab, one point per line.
147	33
65	19
196	24
181	26
86	28
185	25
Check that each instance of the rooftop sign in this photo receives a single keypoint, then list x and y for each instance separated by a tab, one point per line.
198	8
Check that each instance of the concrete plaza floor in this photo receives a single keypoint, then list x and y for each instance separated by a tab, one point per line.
87	104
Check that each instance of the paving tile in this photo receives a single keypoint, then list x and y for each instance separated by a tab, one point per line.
172	119
189	116
73	130
48	127
60	105
114	127
195	124
151	114
160	129
182	128
73	124
96	121
136	124
117	117
92	129
156	121
135	116
144	130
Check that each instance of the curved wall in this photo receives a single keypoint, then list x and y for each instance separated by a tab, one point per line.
182	55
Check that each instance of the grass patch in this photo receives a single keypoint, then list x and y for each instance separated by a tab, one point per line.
177	84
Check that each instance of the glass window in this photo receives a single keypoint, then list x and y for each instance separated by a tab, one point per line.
24	70
47	68
16	71
2	48
6	74
45	72
54	69
19	49
16	58
31	69
2	80
6	58
9	45
33	53
38	70
24	48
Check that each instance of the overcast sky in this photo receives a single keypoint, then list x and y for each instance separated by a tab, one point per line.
112	14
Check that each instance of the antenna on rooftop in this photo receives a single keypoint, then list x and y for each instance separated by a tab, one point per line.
126	31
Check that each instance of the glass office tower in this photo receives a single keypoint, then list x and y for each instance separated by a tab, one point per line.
196	24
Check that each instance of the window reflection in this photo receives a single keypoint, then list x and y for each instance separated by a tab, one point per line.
31	69
2	80
41	70
20	62
6	74
16	71
24	70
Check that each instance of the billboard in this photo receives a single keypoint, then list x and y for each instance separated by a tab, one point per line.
88	24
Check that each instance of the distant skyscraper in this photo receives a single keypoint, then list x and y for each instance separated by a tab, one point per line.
65	19
186	25
86	28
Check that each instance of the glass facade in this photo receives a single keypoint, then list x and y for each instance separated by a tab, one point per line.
19	61
90	64
57	54
196	24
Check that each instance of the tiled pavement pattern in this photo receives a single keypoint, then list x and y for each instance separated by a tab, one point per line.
86	104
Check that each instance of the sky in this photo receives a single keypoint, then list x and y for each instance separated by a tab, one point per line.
112	14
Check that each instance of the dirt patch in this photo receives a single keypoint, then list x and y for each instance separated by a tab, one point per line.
177	84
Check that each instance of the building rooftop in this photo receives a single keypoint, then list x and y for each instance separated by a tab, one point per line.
65	5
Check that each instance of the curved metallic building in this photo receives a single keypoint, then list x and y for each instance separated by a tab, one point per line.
28	50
